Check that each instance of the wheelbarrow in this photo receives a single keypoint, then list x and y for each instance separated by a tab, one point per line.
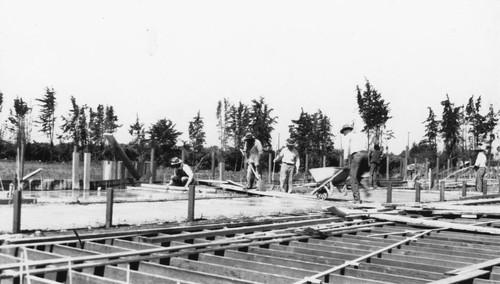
327	179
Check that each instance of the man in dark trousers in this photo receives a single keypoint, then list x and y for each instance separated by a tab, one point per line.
252	150
183	174
375	156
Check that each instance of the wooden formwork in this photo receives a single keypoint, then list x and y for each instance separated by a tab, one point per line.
295	249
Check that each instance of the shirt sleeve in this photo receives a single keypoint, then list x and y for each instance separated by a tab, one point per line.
187	169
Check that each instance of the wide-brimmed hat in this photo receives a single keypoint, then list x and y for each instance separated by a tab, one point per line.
249	136
345	127
290	142
480	148
175	161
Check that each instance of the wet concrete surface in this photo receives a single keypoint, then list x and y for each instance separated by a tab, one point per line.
147	210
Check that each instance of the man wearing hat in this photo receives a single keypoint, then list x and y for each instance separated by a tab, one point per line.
183	174
290	164
480	167
355	151
252	150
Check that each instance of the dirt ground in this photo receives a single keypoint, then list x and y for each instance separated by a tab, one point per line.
64	216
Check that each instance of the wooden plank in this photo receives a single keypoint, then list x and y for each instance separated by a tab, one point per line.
38	280
462	277
120	274
187	275
84	278
231	271
435	224
372	275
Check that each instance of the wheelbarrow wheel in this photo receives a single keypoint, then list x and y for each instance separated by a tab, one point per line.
322	195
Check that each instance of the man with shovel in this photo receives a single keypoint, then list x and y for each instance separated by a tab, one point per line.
252	151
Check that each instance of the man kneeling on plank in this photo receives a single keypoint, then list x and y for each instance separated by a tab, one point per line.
183	174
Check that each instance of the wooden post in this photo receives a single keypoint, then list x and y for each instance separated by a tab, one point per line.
436	183
191	197
485	186
389	193
417	191
387	163
441	191
17	198
306	169
213	165
270	167
183	155
222	170
448	166
324	161
427	167
121	170
75	177
109	207
152	166
86	171
464	189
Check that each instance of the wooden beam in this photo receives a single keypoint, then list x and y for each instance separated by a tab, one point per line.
435	224
120	153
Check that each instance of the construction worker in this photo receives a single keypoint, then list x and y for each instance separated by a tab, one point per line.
355	152
480	167
252	151
290	163
375	155
183	174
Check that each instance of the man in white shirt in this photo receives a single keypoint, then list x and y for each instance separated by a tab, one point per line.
355	151
290	164
252	150
480	167
183	174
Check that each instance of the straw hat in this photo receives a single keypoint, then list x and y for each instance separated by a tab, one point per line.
249	136
175	161
346	127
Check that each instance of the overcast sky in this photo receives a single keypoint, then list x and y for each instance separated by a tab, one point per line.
171	59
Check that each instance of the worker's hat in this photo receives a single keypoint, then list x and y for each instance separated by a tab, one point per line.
290	142
345	127
249	136
175	161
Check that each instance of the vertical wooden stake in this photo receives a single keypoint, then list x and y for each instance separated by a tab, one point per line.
109	207
387	162
417	191
270	167
485	186
437	173
441	191
464	189
426	166
191	197
86	171
324	161
183	155
306	169
152	166
389	193
213	165
75	177
17	198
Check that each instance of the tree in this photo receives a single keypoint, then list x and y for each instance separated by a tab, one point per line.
165	136
17	119
262	121
82	128
239	123
450	126
373	110
70	123
196	133
47	116
96	126
137	131
110	120
482	126
432	129
224	129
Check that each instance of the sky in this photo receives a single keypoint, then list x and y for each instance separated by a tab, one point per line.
171	59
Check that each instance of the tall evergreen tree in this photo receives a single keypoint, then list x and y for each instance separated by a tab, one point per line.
47	118
110	120
224	129
262	121
239	123
196	133
137	131
450	126
432	128
96	126
82	128
70	123
373	110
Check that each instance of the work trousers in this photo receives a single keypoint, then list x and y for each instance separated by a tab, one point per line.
286	177
480	179
250	174
374	174
359	170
